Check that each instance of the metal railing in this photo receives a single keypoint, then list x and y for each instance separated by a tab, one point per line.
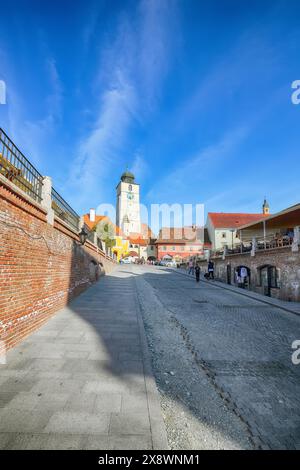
16	168
62	210
274	241
261	243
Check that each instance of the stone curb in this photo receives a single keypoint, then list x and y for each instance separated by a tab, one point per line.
158	430
240	292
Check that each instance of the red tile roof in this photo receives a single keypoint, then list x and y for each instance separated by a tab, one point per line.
136	239
183	235
99	218
146	231
120	232
233	220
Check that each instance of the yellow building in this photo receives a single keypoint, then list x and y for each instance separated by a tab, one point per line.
106	229
121	248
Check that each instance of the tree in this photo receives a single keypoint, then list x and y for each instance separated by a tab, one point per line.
106	232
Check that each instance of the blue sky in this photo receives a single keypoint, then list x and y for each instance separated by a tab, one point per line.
194	96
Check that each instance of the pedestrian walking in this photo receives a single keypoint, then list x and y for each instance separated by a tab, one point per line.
211	269
197	272
191	267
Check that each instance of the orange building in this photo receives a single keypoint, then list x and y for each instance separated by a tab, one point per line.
182	242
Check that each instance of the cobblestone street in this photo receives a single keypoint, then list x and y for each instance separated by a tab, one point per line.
221	363
240	345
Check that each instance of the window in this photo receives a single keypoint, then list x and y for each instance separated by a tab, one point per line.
223	234
164	248
173	248
268	277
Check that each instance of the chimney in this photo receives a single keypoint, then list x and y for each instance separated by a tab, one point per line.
92	215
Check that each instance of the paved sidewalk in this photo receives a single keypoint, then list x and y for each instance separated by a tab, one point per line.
84	380
292	307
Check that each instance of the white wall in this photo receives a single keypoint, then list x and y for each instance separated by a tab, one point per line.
211	232
216	236
129	207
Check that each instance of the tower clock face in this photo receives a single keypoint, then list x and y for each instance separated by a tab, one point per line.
130	196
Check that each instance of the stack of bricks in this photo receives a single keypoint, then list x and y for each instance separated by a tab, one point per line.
42	266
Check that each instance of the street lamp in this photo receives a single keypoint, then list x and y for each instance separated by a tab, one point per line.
83	236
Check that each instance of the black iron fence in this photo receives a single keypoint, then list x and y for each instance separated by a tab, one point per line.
16	168
64	211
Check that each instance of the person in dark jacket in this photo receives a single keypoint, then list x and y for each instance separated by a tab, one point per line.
197	272
210	269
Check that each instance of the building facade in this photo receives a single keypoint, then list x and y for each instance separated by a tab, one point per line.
182	243
96	225
128	216
223	227
269	255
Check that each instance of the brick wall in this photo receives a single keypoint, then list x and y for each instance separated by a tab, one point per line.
286	262
42	266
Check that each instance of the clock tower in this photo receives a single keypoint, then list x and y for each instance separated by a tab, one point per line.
128	204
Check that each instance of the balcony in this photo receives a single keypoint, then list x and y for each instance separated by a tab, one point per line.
275	241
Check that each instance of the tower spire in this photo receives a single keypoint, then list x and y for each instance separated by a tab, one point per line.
266	207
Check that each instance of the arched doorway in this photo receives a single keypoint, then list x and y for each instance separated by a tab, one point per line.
242	276
268	278
93	271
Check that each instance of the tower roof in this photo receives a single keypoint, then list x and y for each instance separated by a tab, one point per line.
266	204
127	177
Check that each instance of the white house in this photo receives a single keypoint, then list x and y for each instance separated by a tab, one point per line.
222	227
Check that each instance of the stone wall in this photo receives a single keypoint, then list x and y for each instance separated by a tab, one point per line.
287	264
42	266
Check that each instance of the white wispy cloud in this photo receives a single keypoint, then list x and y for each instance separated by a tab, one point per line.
98	151
181	182
130	73
245	67
139	167
37	134
157	20
34	134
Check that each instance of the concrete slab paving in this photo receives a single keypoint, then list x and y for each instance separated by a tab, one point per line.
130	423
84	380
78	422
108	402
43	441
